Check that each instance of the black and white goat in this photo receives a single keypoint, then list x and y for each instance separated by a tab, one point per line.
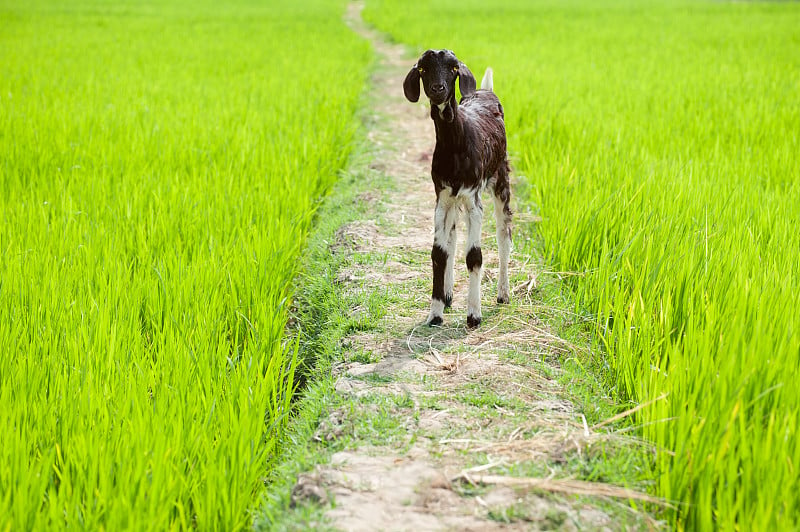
470	155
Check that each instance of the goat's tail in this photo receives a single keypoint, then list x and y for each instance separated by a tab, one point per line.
487	83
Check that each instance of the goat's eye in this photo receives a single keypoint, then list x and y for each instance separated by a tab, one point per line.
455	69
421	70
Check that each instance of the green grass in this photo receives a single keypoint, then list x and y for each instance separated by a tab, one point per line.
322	323
659	143
161	165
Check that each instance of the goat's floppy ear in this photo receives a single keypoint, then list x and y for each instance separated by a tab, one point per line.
411	84
466	81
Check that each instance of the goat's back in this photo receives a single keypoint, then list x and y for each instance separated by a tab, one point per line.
483	102
483	109
484	113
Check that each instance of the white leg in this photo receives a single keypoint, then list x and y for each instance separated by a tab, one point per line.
503	249
439	256
449	272
474	259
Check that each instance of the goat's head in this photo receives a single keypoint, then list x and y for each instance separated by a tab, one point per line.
438	71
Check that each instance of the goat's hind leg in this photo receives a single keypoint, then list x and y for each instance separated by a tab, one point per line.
502	214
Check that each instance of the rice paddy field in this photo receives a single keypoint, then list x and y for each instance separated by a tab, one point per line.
659	141
160	164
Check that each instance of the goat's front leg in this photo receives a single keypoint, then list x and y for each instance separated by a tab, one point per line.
443	220
474	259
449	271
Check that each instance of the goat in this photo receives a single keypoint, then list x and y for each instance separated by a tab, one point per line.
470	155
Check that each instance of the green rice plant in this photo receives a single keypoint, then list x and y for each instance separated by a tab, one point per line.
160	165
659	142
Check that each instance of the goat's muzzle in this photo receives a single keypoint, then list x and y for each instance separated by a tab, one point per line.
437	93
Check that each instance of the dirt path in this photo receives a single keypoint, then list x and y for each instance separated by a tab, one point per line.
476	432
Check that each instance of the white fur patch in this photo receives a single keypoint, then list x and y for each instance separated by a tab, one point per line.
443	217
442	107
503	249
452	238
437	309
474	222
474	297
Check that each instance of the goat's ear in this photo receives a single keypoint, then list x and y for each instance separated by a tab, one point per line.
411	84
466	81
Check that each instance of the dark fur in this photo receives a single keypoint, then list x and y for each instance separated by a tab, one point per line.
470	135
470	148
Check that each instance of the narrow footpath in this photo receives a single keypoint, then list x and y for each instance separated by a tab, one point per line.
450	429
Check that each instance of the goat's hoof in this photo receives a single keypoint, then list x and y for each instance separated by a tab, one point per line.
503	300
448	300
435	321
473	321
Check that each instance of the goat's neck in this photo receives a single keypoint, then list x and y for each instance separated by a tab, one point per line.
448	134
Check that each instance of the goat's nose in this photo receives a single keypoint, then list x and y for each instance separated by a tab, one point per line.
437	87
